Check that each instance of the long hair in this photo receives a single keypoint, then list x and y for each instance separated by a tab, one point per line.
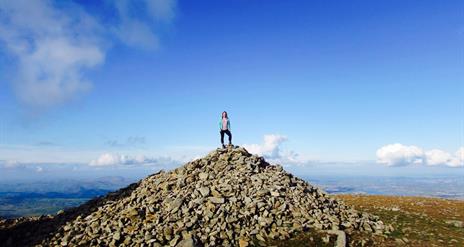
224	114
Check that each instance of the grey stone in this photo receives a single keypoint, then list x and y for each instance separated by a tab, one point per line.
204	191
186	243
203	176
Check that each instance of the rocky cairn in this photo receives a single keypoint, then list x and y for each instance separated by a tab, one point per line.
227	198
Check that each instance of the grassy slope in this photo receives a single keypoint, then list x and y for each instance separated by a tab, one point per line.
418	221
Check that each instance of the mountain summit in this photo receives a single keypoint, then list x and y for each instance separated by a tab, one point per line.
227	198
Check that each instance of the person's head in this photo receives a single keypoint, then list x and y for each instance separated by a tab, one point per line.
224	114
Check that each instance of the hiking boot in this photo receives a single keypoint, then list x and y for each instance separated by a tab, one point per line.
223	146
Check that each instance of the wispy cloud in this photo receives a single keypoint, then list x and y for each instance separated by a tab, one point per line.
401	155
113	159
58	154
161	10
53	48
9	164
54	45
46	143
16	165
130	141
136	31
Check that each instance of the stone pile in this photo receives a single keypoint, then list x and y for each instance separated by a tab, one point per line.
227	198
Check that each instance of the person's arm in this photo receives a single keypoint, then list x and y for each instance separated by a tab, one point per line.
220	124
228	124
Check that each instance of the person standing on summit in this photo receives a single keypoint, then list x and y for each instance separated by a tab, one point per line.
224	126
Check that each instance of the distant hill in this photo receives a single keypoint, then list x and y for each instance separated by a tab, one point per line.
48	197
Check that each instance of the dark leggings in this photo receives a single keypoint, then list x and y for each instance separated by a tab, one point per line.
228	133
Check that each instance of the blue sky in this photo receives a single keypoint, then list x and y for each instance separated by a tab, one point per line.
303	81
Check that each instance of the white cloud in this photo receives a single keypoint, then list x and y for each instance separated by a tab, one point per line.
106	159
460	156
438	157
401	155
110	159
54	45
271	150
270	147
